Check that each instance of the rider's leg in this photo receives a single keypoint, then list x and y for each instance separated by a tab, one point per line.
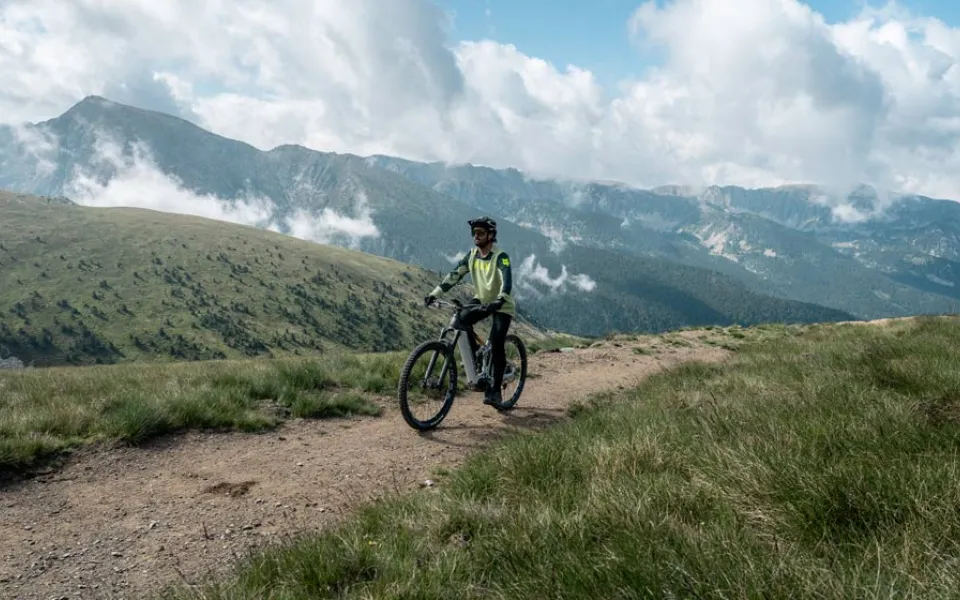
469	318
498	336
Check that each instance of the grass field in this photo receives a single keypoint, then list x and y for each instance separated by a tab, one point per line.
46	411
820	463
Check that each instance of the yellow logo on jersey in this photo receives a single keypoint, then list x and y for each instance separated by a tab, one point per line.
482	266
506	261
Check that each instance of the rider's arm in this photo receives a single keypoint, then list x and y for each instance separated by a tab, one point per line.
506	275
453	277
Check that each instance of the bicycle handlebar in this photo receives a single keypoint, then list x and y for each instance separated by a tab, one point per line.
439	303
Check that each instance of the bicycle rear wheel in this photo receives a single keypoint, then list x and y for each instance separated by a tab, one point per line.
515	374
425	398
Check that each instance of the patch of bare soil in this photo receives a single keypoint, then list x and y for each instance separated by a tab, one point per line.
121	523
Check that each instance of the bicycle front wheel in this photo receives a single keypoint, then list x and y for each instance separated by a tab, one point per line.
428	384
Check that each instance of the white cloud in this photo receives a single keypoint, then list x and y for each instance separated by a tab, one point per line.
331	227
132	179
531	277
842	210
451	258
557	236
757	90
751	93
33	146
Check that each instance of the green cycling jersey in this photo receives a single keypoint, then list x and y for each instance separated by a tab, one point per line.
491	274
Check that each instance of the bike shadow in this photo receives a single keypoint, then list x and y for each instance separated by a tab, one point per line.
476	435
533	418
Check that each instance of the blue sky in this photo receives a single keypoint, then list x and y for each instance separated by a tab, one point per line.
593	33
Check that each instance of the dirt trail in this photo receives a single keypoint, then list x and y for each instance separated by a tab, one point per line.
121	523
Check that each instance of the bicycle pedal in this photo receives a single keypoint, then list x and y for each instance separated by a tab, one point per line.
481	386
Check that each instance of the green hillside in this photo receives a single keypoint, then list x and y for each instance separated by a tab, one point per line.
91	285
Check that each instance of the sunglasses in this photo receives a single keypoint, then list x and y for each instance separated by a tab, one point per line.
479	232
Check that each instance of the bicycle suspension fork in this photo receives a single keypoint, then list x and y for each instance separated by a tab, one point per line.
466	352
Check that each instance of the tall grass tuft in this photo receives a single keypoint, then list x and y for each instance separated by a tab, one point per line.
46	411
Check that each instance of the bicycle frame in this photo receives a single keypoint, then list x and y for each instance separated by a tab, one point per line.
463	344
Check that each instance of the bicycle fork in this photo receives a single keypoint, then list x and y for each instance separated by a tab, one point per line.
466	353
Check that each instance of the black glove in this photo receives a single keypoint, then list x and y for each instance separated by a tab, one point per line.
494	306
429	300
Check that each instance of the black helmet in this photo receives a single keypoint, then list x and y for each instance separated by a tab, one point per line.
485	222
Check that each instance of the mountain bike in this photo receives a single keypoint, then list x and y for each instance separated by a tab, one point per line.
435	397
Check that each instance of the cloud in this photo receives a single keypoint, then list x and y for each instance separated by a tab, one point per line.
151	91
756	91
530	273
559	238
331	227
132	179
749	93
556	236
451	258
31	146
117	178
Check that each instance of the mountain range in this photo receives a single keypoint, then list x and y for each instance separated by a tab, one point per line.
590	257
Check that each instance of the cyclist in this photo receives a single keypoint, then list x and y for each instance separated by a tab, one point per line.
489	268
